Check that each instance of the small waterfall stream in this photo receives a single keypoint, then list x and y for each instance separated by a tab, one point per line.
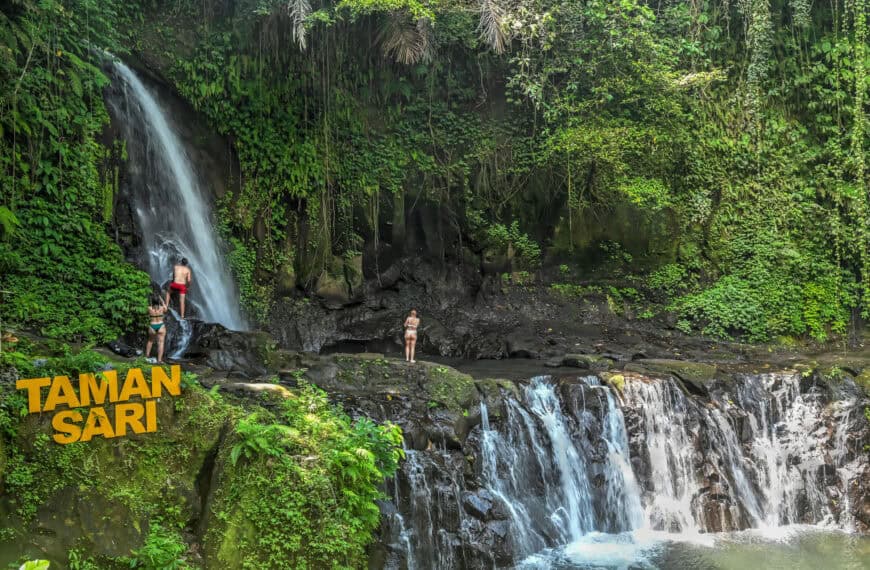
575	474
172	211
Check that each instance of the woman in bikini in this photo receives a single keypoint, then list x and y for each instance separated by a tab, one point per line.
157	328
411	324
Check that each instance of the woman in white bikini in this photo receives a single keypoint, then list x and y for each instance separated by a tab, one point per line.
411	324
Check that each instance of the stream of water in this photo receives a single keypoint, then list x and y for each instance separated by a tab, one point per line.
170	204
648	477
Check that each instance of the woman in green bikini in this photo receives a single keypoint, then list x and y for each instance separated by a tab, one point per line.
157	328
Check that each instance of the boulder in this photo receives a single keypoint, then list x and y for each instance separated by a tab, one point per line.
696	376
478	504
333	289
522	343
587	361
243	353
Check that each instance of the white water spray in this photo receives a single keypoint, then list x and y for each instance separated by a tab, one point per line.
171	209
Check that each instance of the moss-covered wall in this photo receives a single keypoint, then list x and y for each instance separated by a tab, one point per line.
275	479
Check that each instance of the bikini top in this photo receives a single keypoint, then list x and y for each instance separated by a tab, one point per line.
410	326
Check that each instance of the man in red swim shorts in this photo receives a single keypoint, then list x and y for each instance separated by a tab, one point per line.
181	278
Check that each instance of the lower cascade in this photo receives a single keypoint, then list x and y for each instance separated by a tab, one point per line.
581	472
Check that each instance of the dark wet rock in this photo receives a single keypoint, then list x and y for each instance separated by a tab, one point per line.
121	348
478	504
522	343
246	354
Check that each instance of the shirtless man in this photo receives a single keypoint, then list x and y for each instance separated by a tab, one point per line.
181	278
411	324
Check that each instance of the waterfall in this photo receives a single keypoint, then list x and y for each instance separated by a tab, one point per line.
169	203
787	448
542	474
670	447
622	499
575	513
762	460
574	473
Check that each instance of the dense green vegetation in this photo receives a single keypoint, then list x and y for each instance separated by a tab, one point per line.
722	145
65	275
292	480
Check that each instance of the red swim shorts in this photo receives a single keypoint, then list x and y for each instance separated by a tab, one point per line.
181	288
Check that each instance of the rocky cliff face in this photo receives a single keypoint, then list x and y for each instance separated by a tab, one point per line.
493	466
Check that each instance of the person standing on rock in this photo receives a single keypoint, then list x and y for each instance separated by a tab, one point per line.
411	324
157	328
181	278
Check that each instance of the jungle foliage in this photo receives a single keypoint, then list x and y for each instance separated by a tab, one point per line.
65	275
726	141
735	131
294	480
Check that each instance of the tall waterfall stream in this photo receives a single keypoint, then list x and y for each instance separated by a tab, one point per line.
170	205
579	474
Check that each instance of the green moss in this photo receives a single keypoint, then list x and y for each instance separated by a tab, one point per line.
450	387
310	506
863	380
617	381
697	372
128	481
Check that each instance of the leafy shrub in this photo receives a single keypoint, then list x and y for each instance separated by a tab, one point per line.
500	236
256	438
763	305
309	495
668	279
163	550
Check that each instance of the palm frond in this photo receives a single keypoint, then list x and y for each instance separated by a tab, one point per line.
298	11
405	40
491	27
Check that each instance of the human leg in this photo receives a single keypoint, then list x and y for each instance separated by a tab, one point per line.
182	297
161	340
413	347
149	343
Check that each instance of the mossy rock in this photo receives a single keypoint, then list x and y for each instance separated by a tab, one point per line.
493	390
862	380
492	387
100	495
698	372
695	376
587	361
450	387
615	380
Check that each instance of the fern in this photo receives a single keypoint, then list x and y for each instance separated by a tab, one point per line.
8	224
256	438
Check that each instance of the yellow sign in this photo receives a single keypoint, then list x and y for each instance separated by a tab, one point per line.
93	392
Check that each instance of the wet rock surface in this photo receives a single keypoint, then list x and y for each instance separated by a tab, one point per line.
707	445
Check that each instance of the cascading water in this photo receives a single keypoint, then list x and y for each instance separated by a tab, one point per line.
172	212
669	442
574	473
544	476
